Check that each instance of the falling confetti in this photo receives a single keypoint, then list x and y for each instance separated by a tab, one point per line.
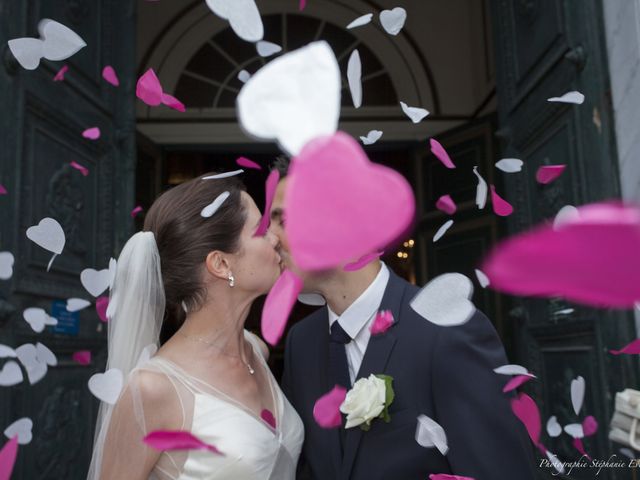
109	74
278	305
393	20
326	410
165	440
445	300
82	169
59	77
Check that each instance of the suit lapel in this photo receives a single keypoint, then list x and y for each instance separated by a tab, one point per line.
374	362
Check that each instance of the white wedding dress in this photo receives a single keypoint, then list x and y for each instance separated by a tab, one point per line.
252	448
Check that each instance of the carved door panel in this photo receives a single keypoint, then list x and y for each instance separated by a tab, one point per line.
546	48
40	134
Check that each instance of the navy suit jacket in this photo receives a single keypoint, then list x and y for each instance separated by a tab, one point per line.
445	373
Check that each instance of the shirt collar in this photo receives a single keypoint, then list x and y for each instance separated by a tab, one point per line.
356	316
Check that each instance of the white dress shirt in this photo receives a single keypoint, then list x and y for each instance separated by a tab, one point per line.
357	319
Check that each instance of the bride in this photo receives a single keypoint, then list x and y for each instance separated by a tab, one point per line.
187	283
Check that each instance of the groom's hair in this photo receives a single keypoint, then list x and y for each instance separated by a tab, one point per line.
281	164
185	237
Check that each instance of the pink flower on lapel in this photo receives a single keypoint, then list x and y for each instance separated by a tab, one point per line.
382	322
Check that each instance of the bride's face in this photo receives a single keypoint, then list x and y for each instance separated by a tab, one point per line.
257	264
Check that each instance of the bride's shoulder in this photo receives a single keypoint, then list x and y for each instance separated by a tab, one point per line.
151	385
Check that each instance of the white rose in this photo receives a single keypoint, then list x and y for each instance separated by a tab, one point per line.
365	401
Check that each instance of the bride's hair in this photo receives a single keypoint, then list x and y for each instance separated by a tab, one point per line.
184	238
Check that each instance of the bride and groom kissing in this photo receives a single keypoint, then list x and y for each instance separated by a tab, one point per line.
187	282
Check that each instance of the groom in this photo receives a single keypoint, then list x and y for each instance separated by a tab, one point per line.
445	373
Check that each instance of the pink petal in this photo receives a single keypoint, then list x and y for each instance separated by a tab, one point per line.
302	5
577	443
109	74
633	348
167	440
382	322
278	305
8	458
446	204
59	77
515	382
3	190
592	259
365	206
589	426
268	417
326	410
527	411
136	211
500	206
270	191
445	476
438	150
101	307
362	261
549	173
91	133
83	170
148	88
83	357
245	162
173	102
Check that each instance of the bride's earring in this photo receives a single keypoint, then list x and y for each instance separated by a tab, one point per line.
232	280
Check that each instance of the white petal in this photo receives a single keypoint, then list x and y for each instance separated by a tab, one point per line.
22	428
266	49
48	234
27	51
28	356
77	304
59	42
553	427
577	393
557	464
513	369
360	21
510	165
10	374
566	214
294	98
95	281
313	299
442	230
575	430
107	386
482	278
416	114
354	76
7	352
45	355
6	265
223	175
430	434
481	191
372	137
393	20
213	207
569	97
445	300
244	76
243	16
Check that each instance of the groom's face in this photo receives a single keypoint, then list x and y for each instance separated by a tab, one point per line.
278	221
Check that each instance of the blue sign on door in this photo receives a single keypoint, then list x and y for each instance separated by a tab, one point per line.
68	322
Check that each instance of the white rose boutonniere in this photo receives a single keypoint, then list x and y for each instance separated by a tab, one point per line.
369	398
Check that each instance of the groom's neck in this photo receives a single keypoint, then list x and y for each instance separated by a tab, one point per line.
344	288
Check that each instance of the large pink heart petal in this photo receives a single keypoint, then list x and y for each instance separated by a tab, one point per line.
340	206
632	349
173	102
278	305
102	303
549	173
382	322
438	150
592	259
109	74
83	357
326	410
362	261
167	440
270	191
589	426
245	162
59	77
527	411
515	382
8	458
500	206
149	89
446	204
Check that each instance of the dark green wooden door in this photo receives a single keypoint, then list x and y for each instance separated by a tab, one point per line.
40	134
546	48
